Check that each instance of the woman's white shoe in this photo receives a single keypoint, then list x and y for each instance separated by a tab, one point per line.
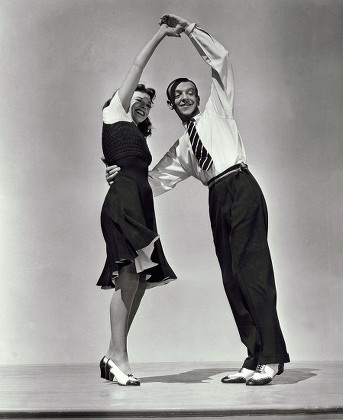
118	375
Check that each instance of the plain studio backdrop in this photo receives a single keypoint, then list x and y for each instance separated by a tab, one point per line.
60	61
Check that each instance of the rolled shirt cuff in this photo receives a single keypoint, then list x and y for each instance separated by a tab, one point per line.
189	28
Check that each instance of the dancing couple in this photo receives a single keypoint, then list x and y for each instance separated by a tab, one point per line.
212	151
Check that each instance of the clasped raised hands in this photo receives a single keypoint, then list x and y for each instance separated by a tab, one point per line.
169	31
178	23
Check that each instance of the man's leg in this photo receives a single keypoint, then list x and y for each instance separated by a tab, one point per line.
252	265
220	203
239	224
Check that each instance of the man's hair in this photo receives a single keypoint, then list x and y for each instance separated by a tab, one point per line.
174	84
145	126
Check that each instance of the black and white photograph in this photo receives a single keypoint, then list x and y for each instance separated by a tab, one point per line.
171	209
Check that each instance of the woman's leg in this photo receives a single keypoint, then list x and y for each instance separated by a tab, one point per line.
136	302
121	303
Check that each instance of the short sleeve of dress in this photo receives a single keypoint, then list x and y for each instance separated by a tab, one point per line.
115	112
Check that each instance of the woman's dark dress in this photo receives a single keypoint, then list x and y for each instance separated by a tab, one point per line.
128	217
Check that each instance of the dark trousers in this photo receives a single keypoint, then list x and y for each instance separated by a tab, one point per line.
239	221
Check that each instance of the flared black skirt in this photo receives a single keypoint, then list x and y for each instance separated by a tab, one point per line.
129	227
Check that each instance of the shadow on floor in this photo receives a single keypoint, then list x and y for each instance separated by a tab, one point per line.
290	376
189	377
294	376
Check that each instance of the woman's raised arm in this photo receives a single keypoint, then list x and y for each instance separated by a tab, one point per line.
134	74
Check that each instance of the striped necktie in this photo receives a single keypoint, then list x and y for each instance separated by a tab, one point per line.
204	158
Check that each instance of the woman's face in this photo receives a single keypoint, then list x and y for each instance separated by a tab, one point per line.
140	106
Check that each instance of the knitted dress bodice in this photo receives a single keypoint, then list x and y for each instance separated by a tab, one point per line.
123	139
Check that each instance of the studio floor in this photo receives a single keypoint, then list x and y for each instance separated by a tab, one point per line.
180	390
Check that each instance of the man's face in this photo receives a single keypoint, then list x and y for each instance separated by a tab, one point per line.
185	100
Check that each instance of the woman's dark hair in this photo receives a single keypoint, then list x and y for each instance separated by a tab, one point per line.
145	126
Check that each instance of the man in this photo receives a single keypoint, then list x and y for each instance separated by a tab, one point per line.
212	151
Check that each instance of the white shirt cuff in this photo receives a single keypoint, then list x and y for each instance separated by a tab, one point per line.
189	28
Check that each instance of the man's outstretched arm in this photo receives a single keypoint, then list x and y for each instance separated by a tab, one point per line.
111	172
164	176
168	172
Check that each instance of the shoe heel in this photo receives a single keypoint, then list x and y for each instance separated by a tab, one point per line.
104	371
281	368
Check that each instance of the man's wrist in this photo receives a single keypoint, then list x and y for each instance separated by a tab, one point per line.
185	23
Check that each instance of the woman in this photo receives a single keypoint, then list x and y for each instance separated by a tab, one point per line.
135	259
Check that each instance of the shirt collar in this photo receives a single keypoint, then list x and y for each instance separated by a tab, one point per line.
195	118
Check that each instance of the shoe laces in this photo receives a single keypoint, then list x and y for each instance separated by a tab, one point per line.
260	368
